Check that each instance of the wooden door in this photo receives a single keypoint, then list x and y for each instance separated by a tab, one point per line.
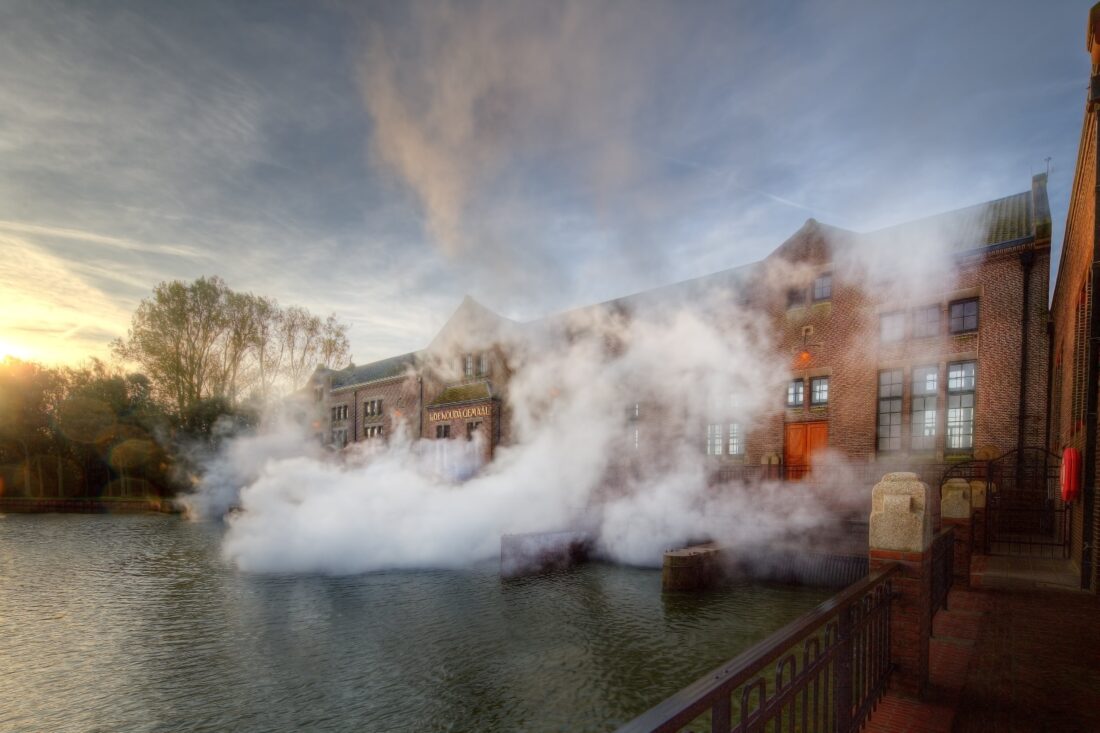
803	439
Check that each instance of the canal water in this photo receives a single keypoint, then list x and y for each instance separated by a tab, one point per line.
134	623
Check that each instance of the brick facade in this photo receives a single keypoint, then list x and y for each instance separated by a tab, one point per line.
830	333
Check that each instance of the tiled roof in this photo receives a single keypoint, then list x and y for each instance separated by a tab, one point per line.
462	393
1003	220
384	369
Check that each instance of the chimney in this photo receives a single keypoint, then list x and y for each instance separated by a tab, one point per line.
1092	45
1040	207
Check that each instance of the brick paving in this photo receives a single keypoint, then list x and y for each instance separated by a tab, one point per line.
1006	661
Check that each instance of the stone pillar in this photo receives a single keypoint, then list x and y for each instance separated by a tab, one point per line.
957	511
901	533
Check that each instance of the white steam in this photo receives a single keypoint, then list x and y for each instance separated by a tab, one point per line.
573	463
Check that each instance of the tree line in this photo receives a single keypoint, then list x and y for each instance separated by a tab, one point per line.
198	364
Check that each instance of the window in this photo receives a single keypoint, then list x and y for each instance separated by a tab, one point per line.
471	429
796	297
714	439
892	326
962	379
340	412
340	437
795	393
442	431
468	365
372	407
819	391
633	413
737	440
926	321
889	409
372	431
964	315
483	364
823	287
923	413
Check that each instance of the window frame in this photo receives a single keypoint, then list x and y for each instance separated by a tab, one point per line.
796	298
735	442
892	400
882	320
796	386
920	323
963	302
814	381
443	432
825	278
919	390
960	393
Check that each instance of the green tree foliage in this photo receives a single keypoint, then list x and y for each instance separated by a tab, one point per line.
88	431
201	341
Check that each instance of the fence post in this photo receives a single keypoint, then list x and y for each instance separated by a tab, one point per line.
843	700
956	510
901	533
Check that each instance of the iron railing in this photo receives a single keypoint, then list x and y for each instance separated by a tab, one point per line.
943	568
823	672
866	473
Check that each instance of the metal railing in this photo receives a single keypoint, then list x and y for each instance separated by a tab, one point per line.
823	672
943	568
866	473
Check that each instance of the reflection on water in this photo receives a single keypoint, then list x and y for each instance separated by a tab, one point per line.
133	623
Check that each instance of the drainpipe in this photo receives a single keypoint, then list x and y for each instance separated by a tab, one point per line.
1050	387
1027	259
420	409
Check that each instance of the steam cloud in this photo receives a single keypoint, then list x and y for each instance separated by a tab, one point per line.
573	463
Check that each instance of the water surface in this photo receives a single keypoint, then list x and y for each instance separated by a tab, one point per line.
134	623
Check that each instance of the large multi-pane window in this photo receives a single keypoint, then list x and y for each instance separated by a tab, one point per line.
926	321
923	417
963	315
823	287
737	440
442	431
892	326
340	412
714	439
483	364
889	409
819	391
468	365
340	437
372	431
962	379
796	393
372	408
733	442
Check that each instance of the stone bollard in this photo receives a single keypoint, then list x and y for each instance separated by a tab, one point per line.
979	488
901	532
956	510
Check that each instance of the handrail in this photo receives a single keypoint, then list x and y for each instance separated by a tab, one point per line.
707	692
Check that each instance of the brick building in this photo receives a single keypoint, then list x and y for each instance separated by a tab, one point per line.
1075	329
954	367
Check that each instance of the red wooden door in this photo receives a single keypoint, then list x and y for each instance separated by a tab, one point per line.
802	441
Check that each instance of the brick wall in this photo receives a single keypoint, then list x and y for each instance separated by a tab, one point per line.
1070	322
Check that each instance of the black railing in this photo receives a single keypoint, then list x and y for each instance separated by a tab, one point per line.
943	568
823	672
865	473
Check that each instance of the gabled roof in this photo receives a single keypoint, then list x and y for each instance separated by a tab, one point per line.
463	393
1003	221
471	322
395	366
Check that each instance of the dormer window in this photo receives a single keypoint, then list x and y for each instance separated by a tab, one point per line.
823	287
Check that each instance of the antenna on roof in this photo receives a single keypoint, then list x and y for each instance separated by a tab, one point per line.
1047	159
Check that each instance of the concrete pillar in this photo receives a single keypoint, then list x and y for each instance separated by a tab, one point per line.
956	510
901	533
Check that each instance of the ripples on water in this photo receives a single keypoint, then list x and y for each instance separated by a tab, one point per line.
133	623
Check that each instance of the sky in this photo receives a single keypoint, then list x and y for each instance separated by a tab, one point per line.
381	160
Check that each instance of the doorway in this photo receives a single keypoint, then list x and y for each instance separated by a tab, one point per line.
803	440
